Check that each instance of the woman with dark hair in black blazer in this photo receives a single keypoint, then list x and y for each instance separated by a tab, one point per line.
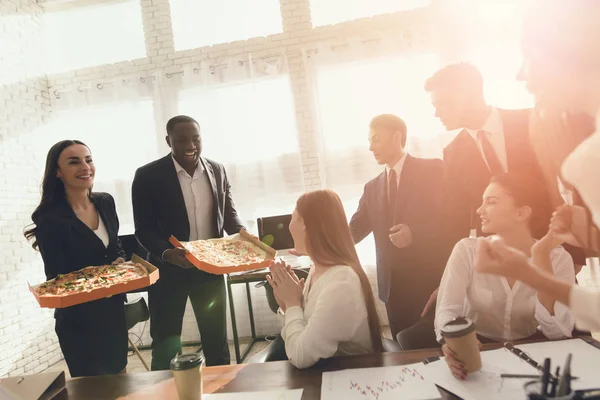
75	228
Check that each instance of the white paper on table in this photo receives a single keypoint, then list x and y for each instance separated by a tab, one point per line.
585	362
485	383
488	383
291	394
407	382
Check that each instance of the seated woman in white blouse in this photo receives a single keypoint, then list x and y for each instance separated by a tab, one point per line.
334	312
513	207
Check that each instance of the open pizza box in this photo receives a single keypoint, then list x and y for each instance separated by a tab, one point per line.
62	301
221	270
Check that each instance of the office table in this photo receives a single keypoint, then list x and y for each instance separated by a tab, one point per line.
249	377
239	378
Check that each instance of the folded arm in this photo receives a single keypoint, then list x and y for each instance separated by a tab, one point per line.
555	319
360	223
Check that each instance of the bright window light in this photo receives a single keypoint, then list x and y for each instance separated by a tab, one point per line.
350	95
328	12
499	65
199	23
244	122
93	35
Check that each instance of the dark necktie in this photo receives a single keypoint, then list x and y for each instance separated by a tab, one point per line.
491	157
392	192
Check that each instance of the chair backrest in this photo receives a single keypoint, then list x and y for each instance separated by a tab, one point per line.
390	346
275	231
136	311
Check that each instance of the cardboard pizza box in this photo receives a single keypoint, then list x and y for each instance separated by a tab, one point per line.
45	386
62	301
218	270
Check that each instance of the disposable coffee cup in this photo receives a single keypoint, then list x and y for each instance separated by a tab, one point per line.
187	371
459	335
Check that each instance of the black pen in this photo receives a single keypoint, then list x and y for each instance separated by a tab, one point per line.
545	377
554	383
562	382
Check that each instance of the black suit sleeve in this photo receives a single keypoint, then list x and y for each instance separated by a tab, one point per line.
360	223
50	241
113	209
426	232
456	208
232	221
147	229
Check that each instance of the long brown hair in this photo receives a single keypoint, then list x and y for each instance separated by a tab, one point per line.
329	243
53	189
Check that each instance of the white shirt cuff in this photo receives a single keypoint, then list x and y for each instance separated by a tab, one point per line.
585	306
293	313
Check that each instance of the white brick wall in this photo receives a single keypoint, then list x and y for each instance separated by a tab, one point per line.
27	340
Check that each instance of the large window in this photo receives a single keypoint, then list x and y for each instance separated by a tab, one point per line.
202	23
327	12
250	128
93	35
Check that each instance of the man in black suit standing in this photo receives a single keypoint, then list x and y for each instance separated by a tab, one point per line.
491	141
189	197
401	208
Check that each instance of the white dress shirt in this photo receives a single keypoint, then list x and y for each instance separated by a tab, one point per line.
332	321
495	130
102	233
499	312
198	198
581	169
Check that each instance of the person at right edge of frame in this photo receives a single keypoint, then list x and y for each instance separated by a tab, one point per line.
401	207
490	141
189	197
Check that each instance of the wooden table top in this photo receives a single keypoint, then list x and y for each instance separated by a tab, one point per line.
239	378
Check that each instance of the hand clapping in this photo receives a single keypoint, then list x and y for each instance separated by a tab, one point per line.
287	288
570	224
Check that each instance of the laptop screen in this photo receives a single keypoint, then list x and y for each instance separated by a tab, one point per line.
274	231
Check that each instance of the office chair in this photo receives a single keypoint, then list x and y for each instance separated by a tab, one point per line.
136	311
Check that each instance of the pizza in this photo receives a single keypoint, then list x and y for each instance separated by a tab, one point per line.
90	278
226	252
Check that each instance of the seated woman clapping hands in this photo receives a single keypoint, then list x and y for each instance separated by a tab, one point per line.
332	313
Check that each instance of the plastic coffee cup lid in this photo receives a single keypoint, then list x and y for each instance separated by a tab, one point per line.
186	361
458	327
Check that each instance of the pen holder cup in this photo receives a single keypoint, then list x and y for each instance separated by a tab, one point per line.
534	388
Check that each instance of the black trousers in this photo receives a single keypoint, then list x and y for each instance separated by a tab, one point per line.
406	302
93	337
167	300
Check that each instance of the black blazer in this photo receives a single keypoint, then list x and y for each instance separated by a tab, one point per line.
418	267
67	244
467	174
159	208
